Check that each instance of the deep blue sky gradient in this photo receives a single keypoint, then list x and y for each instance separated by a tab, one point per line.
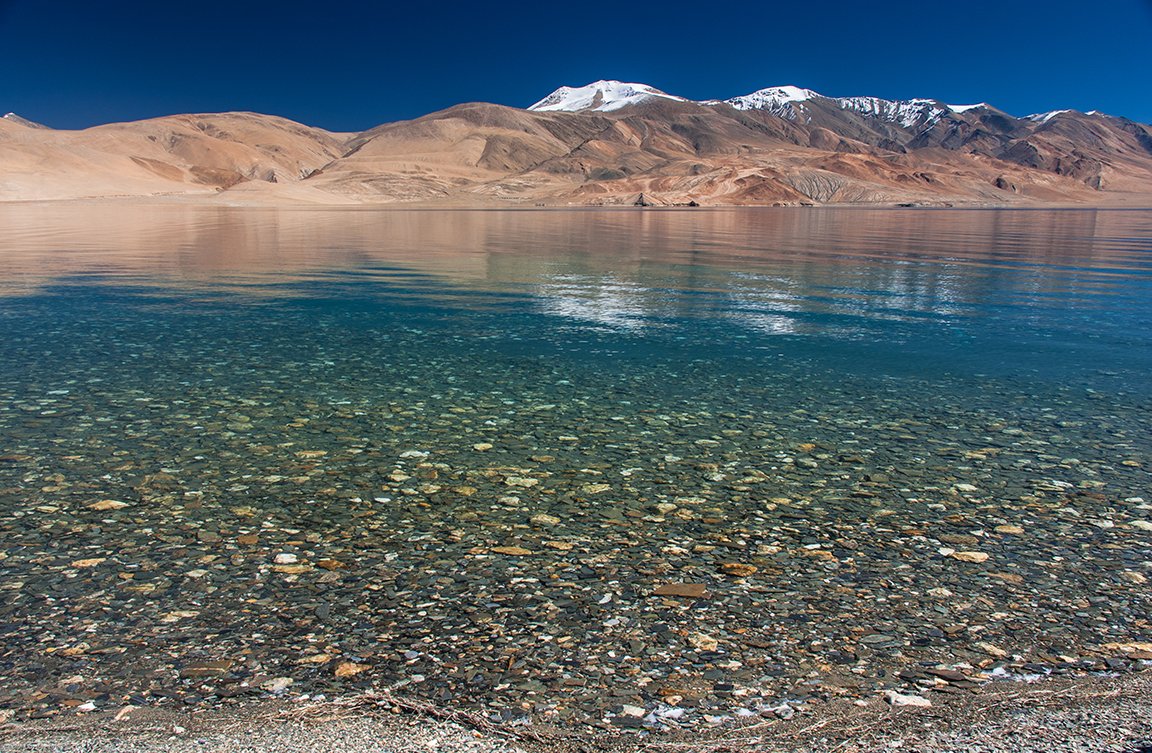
350	66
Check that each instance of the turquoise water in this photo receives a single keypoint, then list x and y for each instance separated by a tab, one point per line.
820	394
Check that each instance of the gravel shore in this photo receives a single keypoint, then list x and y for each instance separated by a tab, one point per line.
1092	715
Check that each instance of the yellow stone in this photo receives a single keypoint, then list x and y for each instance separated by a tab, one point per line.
703	642
685	590
292	569
315	659
991	650
595	488
350	669
1129	648
515	551
108	504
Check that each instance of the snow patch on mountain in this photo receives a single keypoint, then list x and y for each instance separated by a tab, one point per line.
905	113
14	118
600	96
791	102
1044	117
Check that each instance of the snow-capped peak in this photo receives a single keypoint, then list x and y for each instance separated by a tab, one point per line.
600	96
772	98
789	102
778	100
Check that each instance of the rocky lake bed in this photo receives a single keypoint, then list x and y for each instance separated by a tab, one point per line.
211	498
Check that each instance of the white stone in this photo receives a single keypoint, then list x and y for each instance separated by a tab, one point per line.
900	699
277	684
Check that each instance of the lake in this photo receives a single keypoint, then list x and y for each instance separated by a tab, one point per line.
636	466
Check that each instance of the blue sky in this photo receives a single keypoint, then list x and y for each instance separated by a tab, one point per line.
350	66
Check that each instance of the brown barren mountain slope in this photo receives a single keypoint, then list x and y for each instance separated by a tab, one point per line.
672	152
181	154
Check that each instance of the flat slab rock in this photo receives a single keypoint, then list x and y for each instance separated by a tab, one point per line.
683	590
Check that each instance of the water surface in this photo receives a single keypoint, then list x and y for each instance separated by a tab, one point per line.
483	438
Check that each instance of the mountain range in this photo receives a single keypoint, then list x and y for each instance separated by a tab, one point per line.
609	142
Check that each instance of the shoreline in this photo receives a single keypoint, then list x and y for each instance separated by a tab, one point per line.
1053	715
1121	201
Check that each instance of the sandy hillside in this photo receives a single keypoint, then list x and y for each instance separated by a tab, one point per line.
669	151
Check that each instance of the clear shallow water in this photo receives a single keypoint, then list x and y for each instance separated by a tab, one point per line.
830	396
